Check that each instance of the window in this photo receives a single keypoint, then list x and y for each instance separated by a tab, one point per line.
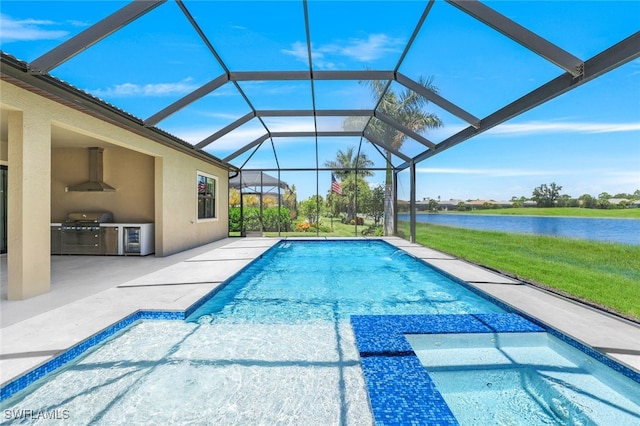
206	197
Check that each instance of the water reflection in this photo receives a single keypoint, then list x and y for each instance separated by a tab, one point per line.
625	231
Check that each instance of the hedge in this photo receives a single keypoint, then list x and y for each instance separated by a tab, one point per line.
269	219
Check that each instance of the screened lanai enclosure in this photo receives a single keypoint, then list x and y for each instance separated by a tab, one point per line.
250	192
346	102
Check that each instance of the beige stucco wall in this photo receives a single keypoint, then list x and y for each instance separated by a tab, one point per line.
3	152
178	208
153	182
28	206
130	172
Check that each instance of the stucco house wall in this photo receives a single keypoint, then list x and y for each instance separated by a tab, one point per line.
154	182
130	172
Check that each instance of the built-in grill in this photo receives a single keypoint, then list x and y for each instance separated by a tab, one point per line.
81	233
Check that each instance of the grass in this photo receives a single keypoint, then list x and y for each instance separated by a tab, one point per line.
338	230
560	211
606	275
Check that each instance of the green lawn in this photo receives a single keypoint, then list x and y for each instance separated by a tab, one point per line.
337	229
603	274
559	211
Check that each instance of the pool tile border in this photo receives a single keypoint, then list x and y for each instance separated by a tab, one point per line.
26	379
379	337
384	334
399	387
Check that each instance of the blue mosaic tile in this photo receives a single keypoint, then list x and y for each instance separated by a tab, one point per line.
620	368
402	393
380	334
198	303
191	309
507	323
72	353
400	389
161	315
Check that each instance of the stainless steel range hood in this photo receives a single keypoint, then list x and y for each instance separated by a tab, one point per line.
95	183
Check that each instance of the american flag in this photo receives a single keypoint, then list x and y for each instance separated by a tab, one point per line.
335	185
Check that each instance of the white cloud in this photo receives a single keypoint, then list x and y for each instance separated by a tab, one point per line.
275	88
28	30
76	23
366	50
222	115
230	142
621	178
546	127
444	132
243	135
361	50
152	90
491	172
298	50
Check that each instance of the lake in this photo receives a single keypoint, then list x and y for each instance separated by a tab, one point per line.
625	231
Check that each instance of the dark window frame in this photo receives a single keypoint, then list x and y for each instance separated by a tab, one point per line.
206	188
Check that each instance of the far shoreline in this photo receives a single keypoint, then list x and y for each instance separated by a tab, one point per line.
569	212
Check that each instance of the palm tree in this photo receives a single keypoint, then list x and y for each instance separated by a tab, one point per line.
348	159
406	108
290	201
350	168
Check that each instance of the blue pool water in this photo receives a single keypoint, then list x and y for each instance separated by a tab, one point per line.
306	281
276	345
524	379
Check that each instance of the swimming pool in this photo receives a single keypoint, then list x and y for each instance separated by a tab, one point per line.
307	281
524	378
275	345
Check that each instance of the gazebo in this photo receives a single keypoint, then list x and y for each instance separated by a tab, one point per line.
256	182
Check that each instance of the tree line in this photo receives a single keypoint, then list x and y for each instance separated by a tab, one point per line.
550	196
545	195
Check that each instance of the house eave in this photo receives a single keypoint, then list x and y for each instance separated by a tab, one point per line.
15	72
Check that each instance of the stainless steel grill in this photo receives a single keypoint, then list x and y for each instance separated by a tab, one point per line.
82	234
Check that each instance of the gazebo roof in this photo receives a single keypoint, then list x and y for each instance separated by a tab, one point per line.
255	179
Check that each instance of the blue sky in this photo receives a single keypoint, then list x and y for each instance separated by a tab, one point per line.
587	140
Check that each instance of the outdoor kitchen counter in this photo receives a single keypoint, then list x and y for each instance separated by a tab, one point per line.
129	239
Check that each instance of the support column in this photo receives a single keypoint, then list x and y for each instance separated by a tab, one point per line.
159	206
29	205
394	205
412	203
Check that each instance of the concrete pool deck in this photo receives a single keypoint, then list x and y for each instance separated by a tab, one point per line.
91	293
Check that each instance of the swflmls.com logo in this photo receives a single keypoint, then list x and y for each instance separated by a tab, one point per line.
36	414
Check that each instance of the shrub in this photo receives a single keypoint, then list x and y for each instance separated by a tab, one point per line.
269	219
234	219
359	219
303	226
376	230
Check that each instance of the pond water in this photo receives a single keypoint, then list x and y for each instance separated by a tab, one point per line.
626	231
